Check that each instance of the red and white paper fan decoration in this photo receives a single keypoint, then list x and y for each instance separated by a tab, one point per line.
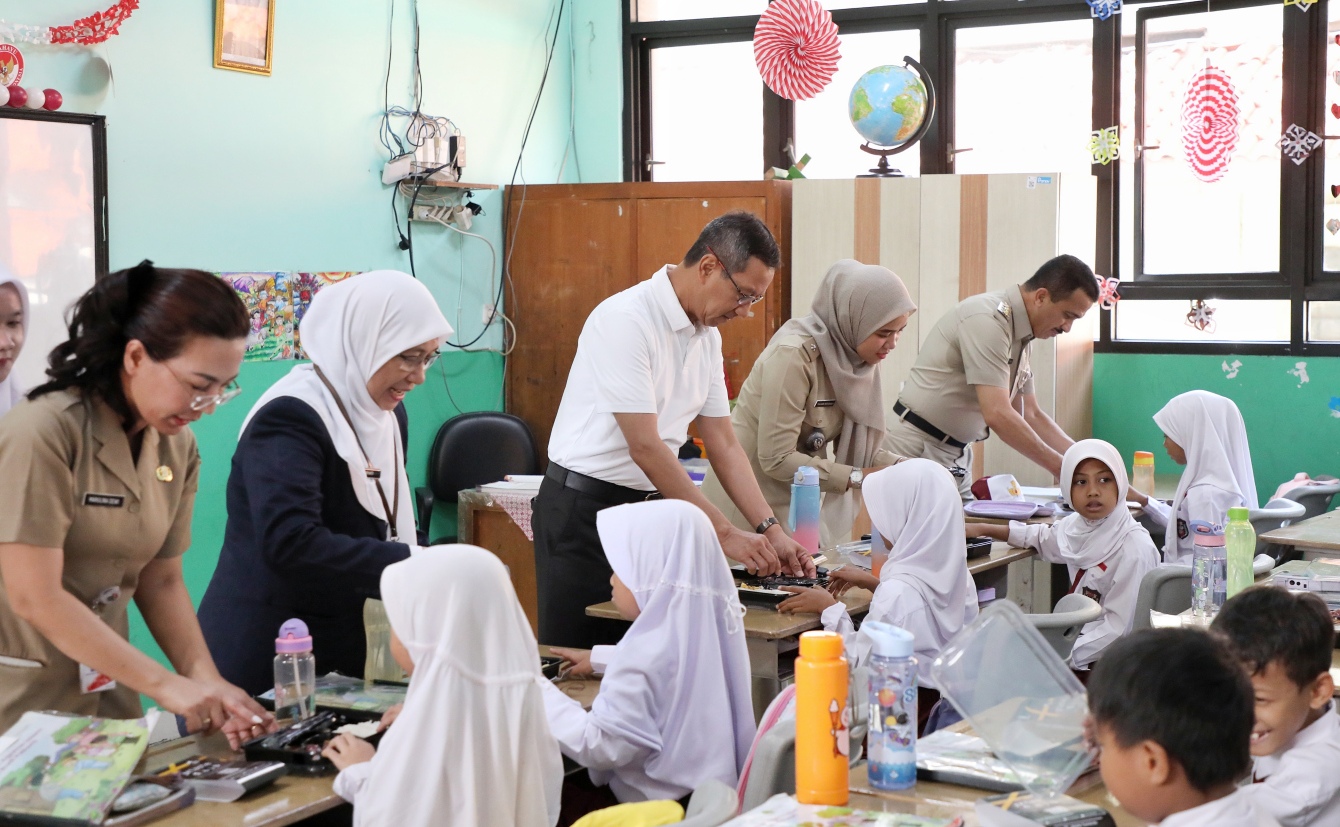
1210	120
796	48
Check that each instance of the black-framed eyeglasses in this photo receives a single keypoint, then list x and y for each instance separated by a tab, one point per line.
745	298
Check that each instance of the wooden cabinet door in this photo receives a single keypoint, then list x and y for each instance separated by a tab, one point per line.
667	228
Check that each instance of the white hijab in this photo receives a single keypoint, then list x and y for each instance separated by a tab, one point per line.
11	389
1086	543
472	746
678	682
1209	428
916	505
351	329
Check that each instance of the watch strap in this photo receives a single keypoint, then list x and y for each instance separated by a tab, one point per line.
765	525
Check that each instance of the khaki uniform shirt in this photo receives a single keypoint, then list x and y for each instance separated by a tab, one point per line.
786	397
70	483
982	341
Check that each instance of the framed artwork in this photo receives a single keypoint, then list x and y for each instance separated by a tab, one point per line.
244	35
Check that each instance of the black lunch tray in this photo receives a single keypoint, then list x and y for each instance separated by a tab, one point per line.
299	743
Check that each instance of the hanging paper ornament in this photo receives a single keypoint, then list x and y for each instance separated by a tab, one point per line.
53	100
1105	145
1333	226
796	48
1210	122
1103	9
1107	292
1200	316
86	31
1297	143
1335	190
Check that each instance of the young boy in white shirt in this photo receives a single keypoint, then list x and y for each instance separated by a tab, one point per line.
1284	640
1171	712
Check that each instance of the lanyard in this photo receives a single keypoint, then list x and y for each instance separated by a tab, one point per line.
392	511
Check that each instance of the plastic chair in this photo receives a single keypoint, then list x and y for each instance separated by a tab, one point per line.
1065	622
1316	499
1166	589
712	804
474	449
1275	514
774	765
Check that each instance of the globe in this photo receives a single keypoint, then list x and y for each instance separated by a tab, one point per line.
887	105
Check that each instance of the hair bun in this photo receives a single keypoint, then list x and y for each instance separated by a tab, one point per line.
139	280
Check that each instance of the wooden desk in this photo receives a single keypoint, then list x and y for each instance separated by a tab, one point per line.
582	690
1320	533
483	523
1018	583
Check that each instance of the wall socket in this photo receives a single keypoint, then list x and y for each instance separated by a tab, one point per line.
487	317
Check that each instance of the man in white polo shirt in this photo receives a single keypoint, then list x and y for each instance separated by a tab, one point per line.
648	364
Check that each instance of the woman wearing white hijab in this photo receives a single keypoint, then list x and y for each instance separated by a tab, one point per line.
924	586
1107	551
13	330
818	383
1205	432
318	500
674	707
471	746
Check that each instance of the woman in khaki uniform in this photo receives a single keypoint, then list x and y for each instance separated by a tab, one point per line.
100	473
817	384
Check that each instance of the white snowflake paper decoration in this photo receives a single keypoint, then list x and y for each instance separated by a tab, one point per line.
1297	143
1105	145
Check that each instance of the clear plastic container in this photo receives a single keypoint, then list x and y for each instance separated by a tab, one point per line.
1142	473
1209	571
295	672
1020	697
892	739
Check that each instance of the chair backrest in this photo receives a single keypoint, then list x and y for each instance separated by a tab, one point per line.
774	766
478	448
1316	499
712	804
1274	514
1166	589
1064	624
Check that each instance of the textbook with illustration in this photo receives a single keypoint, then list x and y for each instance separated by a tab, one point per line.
63	769
783	810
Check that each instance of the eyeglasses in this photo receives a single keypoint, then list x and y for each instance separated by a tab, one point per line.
409	364
745	298
201	401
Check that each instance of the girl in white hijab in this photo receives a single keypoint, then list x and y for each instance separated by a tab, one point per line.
924	586
13	330
1107	551
1205	432
471	746
674	707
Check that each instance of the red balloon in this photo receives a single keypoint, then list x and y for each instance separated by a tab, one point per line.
54	100
18	96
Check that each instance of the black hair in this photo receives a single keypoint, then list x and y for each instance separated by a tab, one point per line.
161	308
1181	689
1062	276
1268	624
735	238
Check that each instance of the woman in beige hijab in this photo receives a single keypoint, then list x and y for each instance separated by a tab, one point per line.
817	386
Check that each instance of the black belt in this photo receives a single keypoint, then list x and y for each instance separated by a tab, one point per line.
900	410
606	492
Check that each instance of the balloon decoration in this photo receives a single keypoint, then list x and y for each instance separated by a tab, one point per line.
53	100
86	31
796	48
1210	122
18	96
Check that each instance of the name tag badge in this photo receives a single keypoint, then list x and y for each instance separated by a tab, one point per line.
825	403
104	500
91	680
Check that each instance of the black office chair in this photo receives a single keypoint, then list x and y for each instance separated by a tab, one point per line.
474	449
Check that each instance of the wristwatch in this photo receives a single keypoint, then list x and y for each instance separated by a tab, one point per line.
765	525
857	475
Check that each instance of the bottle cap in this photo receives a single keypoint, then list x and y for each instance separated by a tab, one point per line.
1144	458
293	638
821	645
805	475
1204	534
1239	514
887	640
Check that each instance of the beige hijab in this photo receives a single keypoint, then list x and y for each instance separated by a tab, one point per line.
853	301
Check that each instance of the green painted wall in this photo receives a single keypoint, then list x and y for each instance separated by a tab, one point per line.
1292	426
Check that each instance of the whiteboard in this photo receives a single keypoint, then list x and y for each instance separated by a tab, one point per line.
53	229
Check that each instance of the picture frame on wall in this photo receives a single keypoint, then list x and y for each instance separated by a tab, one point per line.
244	35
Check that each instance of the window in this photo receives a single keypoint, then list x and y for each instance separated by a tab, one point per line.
1331	238
1323	321
1233	321
644	10
706	113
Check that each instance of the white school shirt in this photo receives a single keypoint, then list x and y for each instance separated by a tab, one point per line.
1114	583
638	353
1203	503
1236	810
1300	784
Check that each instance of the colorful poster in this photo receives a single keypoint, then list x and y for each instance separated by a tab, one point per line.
276	302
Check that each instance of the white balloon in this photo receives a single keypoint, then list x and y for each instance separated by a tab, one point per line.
4	95
36	99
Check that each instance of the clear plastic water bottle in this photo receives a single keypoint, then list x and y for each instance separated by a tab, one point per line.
1142	473
805	502
891	746
1209	570
295	672
1240	540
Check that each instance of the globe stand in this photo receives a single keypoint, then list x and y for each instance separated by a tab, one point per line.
883	170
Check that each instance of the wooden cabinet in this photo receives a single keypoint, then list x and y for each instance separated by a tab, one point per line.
578	244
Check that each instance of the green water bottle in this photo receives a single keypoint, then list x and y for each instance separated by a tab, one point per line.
1240	538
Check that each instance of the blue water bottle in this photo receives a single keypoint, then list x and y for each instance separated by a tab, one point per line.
892	743
805	501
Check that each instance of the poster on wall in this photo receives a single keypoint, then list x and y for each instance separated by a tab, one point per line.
276	302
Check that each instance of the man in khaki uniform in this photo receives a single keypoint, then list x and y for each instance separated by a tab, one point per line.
972	375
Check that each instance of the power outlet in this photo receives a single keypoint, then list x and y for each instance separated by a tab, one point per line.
487	317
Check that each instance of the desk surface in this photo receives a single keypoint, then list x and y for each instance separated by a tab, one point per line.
1002	554
1322	531
761	622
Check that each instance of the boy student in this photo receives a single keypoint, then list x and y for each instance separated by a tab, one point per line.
1172	713
1285	640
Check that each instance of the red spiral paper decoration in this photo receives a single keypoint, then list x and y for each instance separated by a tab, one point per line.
796	48
1210	117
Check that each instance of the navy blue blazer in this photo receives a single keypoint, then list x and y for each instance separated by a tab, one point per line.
297	544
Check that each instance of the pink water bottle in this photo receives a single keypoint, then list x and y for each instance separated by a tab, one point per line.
805	502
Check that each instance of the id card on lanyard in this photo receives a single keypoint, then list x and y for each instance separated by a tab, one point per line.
391	508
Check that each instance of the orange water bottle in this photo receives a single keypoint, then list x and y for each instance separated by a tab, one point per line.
822	718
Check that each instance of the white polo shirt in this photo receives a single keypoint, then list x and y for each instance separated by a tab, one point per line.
638	353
